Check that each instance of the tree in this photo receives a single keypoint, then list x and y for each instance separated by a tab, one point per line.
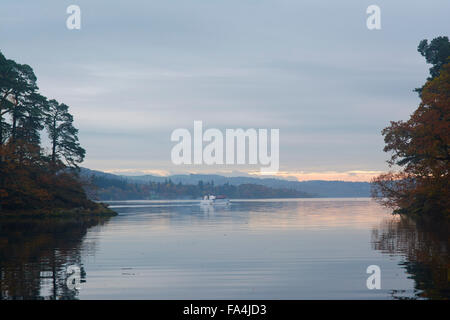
421	147
20	101
21	96
437	53
27	137
32	181
63	135
30	123
7	84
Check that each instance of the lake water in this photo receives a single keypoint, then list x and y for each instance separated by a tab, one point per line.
253	249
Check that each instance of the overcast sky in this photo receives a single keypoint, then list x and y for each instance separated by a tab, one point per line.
137	70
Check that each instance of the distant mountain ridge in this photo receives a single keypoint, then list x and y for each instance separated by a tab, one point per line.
317	188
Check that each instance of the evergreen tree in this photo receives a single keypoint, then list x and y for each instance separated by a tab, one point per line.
436	53
63	135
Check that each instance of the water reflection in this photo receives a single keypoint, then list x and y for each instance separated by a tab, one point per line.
426	254
35	254
277	249
311	214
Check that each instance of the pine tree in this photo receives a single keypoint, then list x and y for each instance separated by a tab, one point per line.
63	135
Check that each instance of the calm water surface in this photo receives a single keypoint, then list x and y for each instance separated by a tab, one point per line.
258	249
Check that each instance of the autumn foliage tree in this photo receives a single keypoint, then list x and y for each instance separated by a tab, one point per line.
420	147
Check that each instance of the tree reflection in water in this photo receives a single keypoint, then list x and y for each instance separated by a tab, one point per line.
35	254
425	248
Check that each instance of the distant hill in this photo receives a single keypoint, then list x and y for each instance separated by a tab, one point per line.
318	188
313	188
111	187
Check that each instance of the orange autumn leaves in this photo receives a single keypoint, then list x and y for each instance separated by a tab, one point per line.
420	146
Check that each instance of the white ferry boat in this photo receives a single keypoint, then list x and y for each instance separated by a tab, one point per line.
211	200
